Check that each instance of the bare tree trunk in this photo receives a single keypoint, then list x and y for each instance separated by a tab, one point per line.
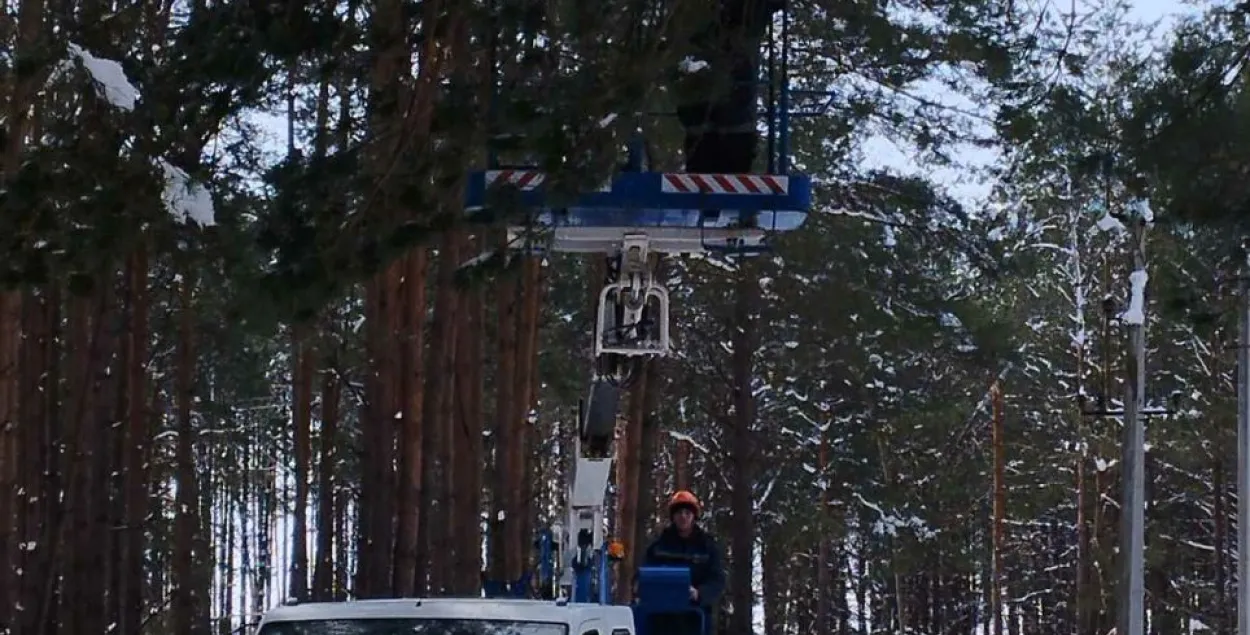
93	342
41	470
823	535
28	28
302	371
681	465
1000	509
504	555
742	454
10	483
646	459
409	572
1223	621
186	601
442	492
387	561
327	503
524	398
136	452
468	428
629	446
775	587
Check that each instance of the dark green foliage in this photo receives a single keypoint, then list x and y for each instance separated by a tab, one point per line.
1189	132
60	217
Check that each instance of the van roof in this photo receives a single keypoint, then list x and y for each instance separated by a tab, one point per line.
452	608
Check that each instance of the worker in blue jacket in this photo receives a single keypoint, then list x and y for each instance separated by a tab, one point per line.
685	543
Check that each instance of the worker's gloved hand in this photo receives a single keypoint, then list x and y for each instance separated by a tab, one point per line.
694	594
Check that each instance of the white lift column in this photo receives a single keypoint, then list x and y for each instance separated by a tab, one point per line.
585	535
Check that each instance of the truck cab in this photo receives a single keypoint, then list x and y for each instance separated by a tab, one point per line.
449	616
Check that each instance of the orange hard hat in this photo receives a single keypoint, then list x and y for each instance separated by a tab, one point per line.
616	550
683	498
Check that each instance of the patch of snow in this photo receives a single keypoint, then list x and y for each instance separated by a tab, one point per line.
184	199
1136	312
691	65
949	320
607	121
478	259
889	239
110	79
678	436
1108	223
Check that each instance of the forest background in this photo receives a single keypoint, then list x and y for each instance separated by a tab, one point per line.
308	394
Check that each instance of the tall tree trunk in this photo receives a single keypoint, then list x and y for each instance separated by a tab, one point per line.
824	534
409	553
681	464
443	492
628	471
646	461
185	604
12	509
384	561
93	342
327	487
377	534
76	512
504	555
135	452
742	453
10	442
525	396
468	428
41	470
1000	508
302	370
774	582
1223	621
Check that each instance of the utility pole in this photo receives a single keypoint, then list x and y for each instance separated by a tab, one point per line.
1243	457
1132	588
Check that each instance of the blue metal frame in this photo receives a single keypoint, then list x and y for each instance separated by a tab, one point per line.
604	581
635	199
546	558
583	575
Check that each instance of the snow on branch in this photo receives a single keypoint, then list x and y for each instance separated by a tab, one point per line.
678	436
184	199
109	78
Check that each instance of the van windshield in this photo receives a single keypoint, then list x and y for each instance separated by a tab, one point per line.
412	626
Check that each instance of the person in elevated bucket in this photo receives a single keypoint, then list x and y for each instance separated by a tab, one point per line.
684	543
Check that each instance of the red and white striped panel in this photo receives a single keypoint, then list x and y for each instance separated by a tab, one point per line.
725	184
521	179
526	179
